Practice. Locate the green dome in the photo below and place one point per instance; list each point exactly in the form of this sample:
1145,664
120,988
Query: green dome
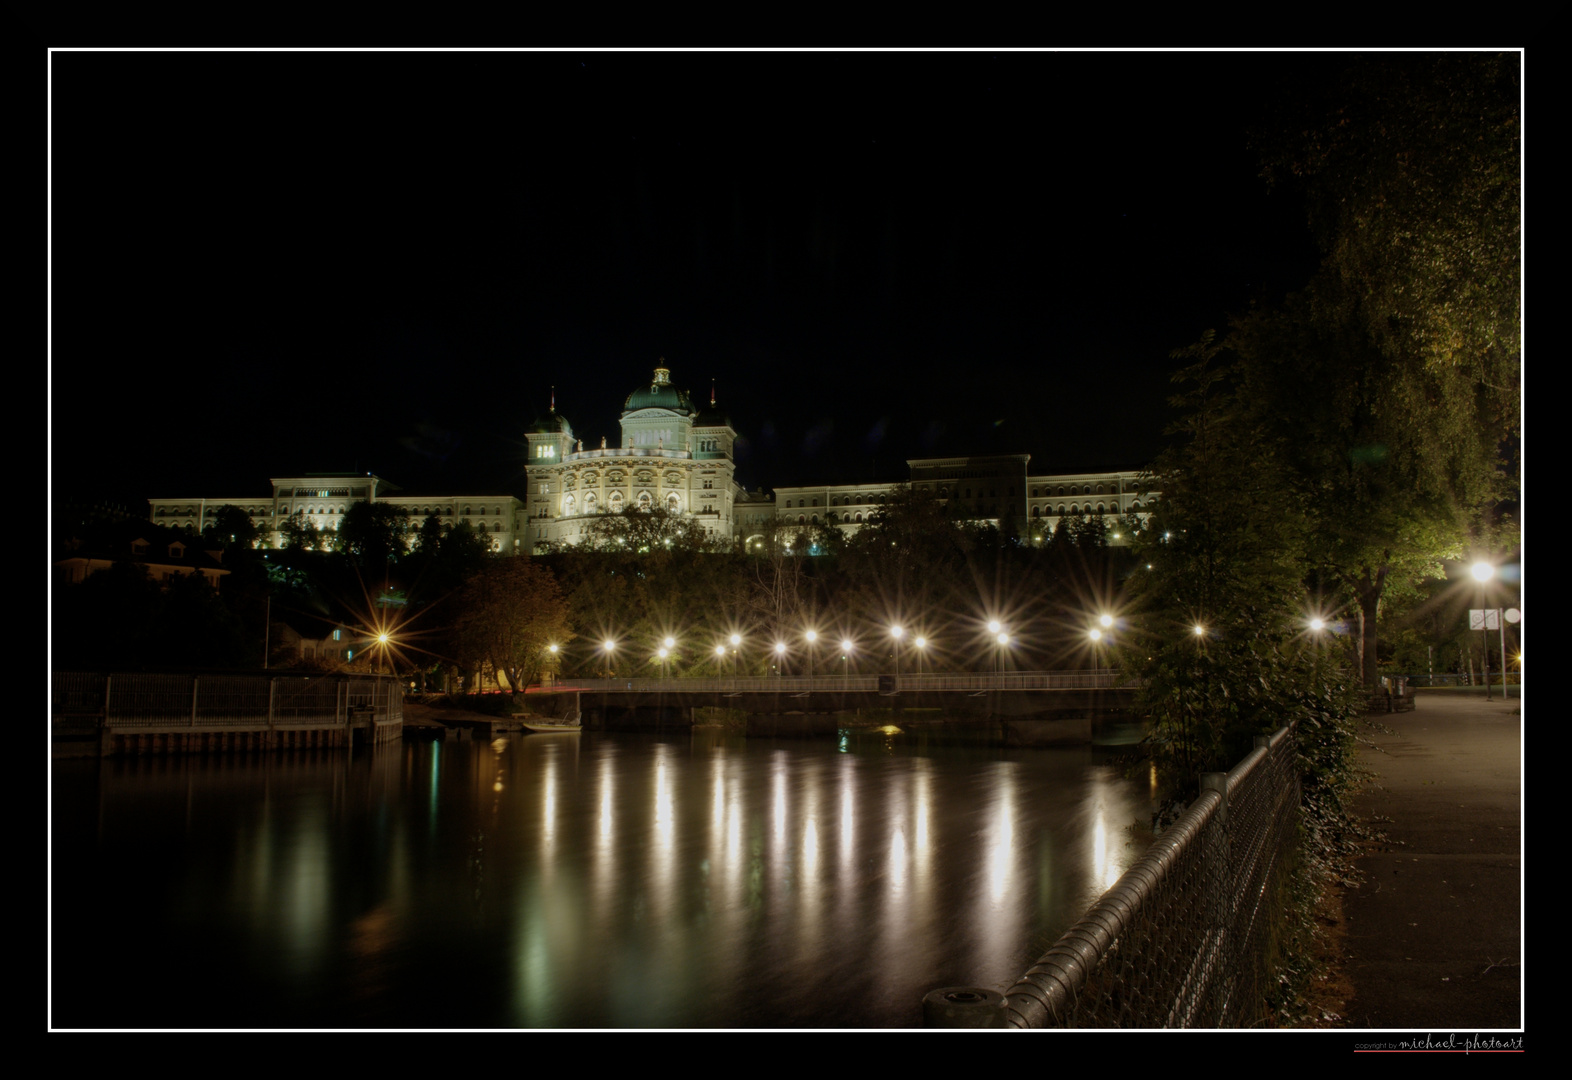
553,424
660,394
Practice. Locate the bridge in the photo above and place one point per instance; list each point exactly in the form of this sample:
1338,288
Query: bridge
1053,706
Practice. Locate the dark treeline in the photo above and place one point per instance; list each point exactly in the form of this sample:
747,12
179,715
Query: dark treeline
454,609
643,578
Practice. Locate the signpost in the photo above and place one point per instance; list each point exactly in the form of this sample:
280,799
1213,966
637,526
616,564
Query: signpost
1485,620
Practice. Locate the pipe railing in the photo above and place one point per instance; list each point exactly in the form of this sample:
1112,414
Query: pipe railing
1098,679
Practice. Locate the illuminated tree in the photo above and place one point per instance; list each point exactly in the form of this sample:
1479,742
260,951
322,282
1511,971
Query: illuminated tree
298,531
373,533
506,616
231,527
1410,166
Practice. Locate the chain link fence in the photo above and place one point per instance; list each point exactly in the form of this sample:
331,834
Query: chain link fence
1181,939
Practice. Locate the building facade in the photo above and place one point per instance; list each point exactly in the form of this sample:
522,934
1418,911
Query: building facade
679,457
322,499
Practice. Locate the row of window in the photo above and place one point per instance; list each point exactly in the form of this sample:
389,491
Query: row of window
1074,489
839,500
591,504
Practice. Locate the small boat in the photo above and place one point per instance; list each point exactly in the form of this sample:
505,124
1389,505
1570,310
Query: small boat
547,723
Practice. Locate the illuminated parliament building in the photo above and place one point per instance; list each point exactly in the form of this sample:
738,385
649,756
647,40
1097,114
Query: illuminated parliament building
676,456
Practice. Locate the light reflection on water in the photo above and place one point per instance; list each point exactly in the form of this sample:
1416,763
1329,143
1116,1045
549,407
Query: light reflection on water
571,881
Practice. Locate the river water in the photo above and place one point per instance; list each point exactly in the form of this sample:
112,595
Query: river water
571,881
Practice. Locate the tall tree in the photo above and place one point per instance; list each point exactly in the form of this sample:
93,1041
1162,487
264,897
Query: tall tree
1393,490
231,527
1410,165
1224,646
374,533
507,616
1393,378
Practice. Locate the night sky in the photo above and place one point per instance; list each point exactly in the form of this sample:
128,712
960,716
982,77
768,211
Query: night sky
271,263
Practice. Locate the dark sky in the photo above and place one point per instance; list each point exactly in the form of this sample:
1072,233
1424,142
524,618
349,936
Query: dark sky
269,263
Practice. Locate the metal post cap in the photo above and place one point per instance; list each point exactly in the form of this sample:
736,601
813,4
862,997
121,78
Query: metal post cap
963,1007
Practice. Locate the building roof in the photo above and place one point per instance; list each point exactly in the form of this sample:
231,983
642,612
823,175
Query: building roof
660,394
553,423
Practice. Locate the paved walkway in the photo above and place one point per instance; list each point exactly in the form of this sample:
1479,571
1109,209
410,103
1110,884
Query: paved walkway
1435,933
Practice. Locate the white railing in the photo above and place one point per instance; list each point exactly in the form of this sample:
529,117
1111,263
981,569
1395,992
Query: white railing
1096,679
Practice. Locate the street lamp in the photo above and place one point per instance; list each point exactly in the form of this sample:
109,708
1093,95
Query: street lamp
609,647
921,643
780,659
1483,572
1004,642
812,636
846,651
897,632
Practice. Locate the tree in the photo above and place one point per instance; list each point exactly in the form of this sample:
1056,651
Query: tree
1226,653
231,527
1410,165
1393,378
1393,490
645,531
298,531
507,616
373,533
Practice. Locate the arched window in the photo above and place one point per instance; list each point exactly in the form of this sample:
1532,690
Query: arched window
673,503
589,503
1037,511
567,506
645,502
858,519
616,502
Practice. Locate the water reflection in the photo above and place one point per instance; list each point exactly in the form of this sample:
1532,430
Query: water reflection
589,881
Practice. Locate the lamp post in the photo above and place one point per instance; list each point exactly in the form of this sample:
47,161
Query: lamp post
921,643
736,655
812,636
846,651
897,632
609,647
1483,572
780,659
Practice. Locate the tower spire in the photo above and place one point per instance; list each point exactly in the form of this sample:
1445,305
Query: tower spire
712,393
553,399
